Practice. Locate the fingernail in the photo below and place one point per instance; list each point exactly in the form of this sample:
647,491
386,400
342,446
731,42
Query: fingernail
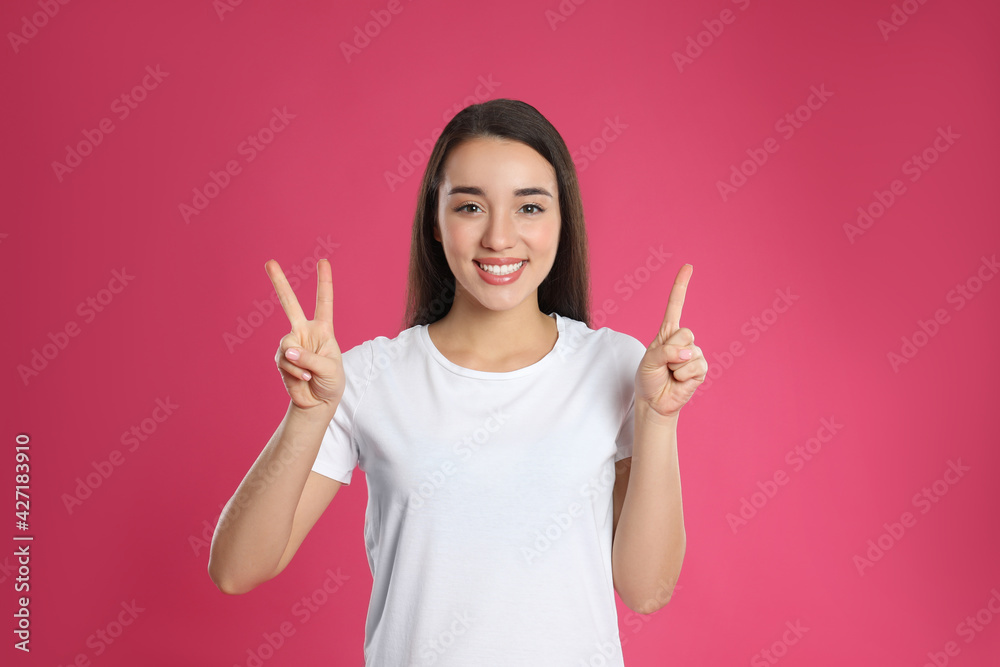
686,354
306,375
292,353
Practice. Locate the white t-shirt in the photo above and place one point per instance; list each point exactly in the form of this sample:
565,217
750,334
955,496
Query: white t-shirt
488,526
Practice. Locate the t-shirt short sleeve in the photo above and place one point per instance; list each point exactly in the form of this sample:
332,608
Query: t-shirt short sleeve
629,352
338,453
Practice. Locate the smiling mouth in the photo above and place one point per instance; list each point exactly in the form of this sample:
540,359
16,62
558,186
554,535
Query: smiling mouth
500,269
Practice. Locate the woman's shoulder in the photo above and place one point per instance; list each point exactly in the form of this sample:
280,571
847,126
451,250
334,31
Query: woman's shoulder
367,350
624,345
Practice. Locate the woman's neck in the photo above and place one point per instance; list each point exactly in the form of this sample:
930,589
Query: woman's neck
494,340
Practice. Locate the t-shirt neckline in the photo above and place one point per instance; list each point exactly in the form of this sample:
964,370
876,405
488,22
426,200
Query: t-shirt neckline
495,375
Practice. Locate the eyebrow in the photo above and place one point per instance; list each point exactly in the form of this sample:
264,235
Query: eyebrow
473,190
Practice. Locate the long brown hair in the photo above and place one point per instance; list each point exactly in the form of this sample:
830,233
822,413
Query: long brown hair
431,284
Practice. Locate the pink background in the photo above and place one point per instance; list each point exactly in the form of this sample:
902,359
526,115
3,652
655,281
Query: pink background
681,129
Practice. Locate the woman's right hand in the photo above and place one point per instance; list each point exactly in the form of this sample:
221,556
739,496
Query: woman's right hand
308,357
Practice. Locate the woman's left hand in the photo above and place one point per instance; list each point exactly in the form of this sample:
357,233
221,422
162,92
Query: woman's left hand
666,380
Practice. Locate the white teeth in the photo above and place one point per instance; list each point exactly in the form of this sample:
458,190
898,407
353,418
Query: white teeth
501,270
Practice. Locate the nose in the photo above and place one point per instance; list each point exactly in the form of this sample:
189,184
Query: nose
500,232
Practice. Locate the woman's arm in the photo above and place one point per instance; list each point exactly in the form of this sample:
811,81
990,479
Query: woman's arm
649,539
267,518
280,499
649,543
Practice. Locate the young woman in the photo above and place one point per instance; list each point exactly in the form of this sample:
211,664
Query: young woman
521,466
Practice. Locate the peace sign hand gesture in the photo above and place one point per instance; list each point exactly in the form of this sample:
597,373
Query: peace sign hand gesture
673,365
308,357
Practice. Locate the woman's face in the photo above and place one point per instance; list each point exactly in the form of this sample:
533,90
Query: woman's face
498,203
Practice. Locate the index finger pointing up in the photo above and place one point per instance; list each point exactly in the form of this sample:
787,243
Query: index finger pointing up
672,319
324,292
288,301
